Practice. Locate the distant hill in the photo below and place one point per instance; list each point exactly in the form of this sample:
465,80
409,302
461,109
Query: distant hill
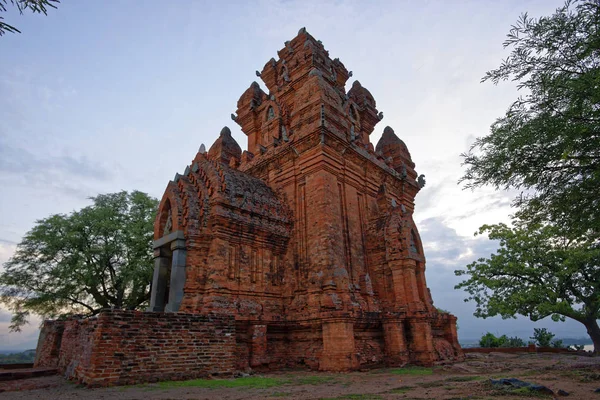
566,341
26,356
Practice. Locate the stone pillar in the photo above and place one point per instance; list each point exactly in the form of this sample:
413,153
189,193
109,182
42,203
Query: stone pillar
396,352
159,281
421,348
339,353
177,282
258,345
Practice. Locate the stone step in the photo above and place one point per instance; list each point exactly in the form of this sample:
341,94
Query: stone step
25,373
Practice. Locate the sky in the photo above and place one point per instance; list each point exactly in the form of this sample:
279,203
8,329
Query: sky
103,96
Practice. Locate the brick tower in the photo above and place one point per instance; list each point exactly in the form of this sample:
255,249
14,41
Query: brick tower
307,237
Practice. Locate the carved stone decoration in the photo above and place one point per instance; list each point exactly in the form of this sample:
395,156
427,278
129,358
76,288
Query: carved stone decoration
168,225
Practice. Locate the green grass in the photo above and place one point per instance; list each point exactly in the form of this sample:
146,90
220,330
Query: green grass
313,380
411,370
463,378
247,382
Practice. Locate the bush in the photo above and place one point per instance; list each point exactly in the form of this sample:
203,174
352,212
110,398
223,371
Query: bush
515,342
542,337
489,340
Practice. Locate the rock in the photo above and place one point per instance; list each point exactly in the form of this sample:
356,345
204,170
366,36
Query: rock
597,390
517,383
562,392
476,356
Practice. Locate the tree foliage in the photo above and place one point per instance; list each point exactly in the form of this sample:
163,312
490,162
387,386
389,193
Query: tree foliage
548,146
36,6
548,142
543,338
94,258
489,340
536,272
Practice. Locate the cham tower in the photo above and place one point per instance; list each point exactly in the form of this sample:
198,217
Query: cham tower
307,237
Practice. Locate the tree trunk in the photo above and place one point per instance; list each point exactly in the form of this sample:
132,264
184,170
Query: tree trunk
594,331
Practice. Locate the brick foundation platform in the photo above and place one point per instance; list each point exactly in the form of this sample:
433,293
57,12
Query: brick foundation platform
128,347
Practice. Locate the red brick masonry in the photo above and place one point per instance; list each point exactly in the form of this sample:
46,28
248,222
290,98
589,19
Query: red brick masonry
127,347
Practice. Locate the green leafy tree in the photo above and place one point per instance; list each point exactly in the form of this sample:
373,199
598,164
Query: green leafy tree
489,340
36,6
548,146
537,273
542,337
548,142
97,257
514,342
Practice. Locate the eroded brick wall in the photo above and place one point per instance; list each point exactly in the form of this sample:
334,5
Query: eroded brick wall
127,347
369,346
48,346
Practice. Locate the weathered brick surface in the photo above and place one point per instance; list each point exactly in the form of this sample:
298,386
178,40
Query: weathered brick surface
49,341
127,347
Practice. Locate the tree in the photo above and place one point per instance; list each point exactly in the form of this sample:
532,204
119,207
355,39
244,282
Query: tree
490,340
538,273
97,257
548,142
543,338
36,6
548,146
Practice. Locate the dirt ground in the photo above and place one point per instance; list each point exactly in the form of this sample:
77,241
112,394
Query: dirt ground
579,376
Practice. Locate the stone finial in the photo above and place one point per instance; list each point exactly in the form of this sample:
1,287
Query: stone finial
421,181
388,139
225,147
302,30
202,149
233,117
225,131
380,115
257,73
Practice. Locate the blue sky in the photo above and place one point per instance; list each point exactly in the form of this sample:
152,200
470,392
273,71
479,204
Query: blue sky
103,96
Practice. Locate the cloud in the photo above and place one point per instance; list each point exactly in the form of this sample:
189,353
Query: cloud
24,340
18,161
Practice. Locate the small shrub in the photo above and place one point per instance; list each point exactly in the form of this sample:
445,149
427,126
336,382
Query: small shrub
514,342
542,337
490,340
